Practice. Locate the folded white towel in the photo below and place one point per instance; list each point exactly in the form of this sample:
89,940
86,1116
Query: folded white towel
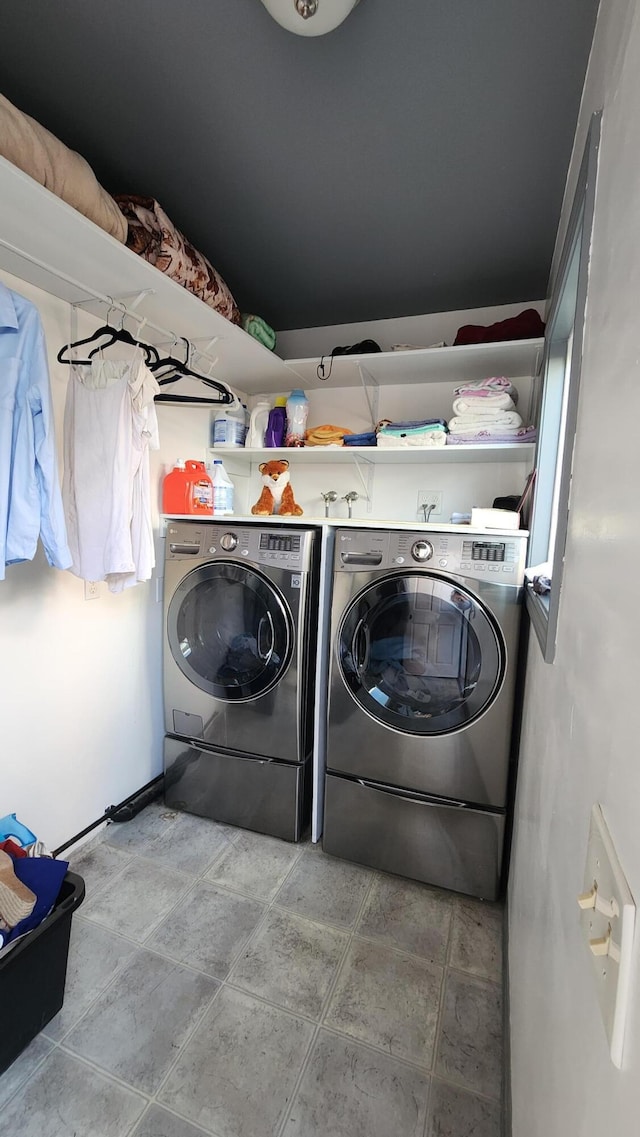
487,430
416,440
471,403
493,418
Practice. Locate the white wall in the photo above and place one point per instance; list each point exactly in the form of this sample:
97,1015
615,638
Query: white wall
80,681
580,739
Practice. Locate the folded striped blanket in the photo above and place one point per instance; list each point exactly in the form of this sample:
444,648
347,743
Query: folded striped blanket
493,436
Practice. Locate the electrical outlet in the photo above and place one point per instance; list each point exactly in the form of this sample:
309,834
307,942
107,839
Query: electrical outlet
430,497
91,590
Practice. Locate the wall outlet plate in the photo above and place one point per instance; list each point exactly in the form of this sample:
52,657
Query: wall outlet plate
608,930
91,590
430,497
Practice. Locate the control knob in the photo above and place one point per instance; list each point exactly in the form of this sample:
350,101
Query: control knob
422,550
228,542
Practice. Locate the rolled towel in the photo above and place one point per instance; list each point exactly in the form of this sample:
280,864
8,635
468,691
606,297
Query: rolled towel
260,330
495,384
459,424
470,404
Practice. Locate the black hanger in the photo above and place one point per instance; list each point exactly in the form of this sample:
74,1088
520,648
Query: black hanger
178,369
116,335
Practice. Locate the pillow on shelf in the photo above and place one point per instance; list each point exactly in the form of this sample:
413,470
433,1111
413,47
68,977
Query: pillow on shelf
153,236
48,161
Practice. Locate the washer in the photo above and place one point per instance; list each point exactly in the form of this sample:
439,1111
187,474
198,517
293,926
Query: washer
239,662
424,633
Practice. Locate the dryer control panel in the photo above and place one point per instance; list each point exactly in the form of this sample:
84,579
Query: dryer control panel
477,555
282,548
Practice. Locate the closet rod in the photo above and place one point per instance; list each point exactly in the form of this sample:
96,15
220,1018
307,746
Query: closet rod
92,294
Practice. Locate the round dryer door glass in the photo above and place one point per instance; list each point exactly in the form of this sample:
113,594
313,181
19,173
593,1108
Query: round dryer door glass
230,631
420,654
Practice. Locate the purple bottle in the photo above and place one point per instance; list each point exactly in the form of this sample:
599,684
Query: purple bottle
276,430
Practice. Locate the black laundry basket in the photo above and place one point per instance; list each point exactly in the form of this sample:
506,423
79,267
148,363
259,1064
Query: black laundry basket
33,973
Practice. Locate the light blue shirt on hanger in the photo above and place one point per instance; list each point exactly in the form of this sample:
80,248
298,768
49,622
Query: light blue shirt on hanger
30,498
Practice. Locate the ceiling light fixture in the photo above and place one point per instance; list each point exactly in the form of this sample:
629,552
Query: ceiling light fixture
309,17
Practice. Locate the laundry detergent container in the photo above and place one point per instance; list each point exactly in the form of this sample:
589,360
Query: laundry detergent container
33,974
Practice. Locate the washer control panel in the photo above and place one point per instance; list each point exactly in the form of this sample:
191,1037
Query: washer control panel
282,548
477,555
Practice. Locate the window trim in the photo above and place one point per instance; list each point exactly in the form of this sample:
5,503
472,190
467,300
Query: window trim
545,613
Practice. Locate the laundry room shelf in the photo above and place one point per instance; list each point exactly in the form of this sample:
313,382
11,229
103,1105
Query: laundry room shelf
467,363
49,244
343,455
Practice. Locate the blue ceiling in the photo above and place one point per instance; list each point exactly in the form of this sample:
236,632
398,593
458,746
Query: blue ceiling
411,161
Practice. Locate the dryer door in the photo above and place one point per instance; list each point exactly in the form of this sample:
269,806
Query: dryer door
230,631
420,654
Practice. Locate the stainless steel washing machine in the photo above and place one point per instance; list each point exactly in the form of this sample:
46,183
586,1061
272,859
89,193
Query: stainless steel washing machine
425,631
239,659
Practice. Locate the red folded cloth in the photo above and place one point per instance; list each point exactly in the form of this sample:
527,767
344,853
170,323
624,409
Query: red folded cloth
526,326
13,849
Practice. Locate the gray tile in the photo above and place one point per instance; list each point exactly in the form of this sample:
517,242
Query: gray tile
325,889
208,928
236,1075
190,845
255,864
95,955
135,835
476,938
97,864
409,916
66,1098
136,1028
138,900
159,1122
23,1067
470,1043
388,999
349,1090
456,1113
291,962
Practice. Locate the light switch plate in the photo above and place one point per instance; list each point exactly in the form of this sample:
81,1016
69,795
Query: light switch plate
612,976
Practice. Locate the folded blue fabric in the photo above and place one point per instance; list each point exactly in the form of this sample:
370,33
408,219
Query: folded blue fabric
44,876
368,439
416,423
11,827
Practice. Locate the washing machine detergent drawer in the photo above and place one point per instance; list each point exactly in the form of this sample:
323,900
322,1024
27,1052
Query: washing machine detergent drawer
453,847
259,794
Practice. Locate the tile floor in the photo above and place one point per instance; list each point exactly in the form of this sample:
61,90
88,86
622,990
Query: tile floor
225,983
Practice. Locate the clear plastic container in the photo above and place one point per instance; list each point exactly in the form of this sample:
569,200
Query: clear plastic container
222,488
297,415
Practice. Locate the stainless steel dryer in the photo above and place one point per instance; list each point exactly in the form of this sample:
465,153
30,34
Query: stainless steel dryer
239,654
424,638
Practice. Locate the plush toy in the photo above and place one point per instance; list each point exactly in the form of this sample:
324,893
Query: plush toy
277,495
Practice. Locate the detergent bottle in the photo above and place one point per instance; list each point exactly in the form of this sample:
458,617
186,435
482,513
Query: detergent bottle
277,424
229,426
200,489
258,424
174,490
297,412
222,487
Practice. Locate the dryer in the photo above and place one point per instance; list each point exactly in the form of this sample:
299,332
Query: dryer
239,660
425,632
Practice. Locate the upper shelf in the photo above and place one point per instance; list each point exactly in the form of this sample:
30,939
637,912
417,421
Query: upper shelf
381,456
49,244
515,358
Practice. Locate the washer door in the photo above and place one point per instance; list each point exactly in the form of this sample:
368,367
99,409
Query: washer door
230,631
420,654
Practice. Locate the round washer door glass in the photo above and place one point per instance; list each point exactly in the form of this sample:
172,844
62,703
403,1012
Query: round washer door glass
420,654
230,631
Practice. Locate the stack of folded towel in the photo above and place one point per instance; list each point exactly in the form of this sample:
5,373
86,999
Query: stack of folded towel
423,433
485,412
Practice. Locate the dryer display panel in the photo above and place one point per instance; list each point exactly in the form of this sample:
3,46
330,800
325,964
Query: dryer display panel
230,631
420,654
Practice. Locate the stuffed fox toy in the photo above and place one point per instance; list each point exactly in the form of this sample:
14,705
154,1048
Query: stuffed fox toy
277,495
